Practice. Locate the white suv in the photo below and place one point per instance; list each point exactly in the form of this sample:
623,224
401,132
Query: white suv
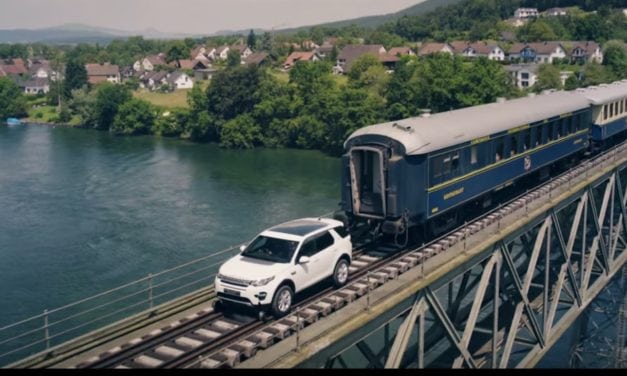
284,260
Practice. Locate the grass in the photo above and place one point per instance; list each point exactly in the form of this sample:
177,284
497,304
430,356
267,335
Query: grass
43,114
177,98
284,77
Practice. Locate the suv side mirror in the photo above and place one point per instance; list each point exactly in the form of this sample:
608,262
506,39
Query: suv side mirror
303,259
242,248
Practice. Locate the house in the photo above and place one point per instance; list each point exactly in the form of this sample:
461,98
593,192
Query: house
244,51
523,75
526,13
432,48
327,46
40,69
183,64
352,52
389,61
179,80
586,52
203,53
97,73
152,80
477,49
542,52
256,59
309,45
222,52
13,67
149,63
36,86
555,12
297,56
401,51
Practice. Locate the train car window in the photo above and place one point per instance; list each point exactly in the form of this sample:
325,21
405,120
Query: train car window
548,134
622,108
446,165
526,137
564,127
498,149
611,109
473,155
604,112
572,126
455,163
513,145
437,166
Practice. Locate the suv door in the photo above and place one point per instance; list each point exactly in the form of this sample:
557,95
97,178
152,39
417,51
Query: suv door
319,249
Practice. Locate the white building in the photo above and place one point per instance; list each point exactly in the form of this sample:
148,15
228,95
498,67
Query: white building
526,13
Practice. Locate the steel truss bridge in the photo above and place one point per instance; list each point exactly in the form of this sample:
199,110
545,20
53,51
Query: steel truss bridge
500,297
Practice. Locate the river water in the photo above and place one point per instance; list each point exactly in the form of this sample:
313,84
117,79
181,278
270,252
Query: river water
83,211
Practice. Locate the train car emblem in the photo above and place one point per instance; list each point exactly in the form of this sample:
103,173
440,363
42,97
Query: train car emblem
527,163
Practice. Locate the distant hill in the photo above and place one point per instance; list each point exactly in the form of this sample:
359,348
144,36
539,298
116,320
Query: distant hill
374,21
79,33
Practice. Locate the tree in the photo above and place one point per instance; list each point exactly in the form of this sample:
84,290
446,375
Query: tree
229,94
266,42
548,78
109,98
177,51
83,104
252,39
75,75
133,117
615,59
233,59
241,132
12,100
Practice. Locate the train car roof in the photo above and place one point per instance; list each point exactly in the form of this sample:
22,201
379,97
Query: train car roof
422,135
605,93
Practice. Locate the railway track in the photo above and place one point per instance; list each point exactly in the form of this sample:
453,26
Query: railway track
210,339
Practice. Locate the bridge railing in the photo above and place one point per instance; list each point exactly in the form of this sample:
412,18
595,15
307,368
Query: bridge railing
55,326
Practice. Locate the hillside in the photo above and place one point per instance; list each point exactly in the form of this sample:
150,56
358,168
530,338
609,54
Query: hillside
78,33
375,21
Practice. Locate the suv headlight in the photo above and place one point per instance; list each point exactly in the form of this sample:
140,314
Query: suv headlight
261,282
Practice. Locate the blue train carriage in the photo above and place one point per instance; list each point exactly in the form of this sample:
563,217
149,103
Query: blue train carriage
415,171
609,112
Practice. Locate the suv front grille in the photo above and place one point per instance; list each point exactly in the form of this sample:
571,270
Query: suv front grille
234,281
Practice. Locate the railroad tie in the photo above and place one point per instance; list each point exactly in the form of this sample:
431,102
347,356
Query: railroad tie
368,259
187,342
391,271
223,325
148,361
210,363
232,356
323,308
347,295
248,348
280,330
168,352
207,334
263,339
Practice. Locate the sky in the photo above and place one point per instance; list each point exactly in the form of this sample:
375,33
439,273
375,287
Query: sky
189,16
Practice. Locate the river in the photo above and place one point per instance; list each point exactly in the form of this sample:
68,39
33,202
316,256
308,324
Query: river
83,211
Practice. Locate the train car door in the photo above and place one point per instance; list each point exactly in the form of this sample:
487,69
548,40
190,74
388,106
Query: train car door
368,165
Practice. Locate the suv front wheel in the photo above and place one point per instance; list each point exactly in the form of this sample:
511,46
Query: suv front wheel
340,273
282,301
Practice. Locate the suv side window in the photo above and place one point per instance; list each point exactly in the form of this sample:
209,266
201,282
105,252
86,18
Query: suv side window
309,248
315,245
324,241
341,231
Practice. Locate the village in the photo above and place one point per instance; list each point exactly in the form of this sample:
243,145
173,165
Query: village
157,73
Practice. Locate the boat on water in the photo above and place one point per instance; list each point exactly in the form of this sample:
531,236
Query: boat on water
13,121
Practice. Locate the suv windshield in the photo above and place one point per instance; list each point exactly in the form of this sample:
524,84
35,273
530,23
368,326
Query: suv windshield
271,249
